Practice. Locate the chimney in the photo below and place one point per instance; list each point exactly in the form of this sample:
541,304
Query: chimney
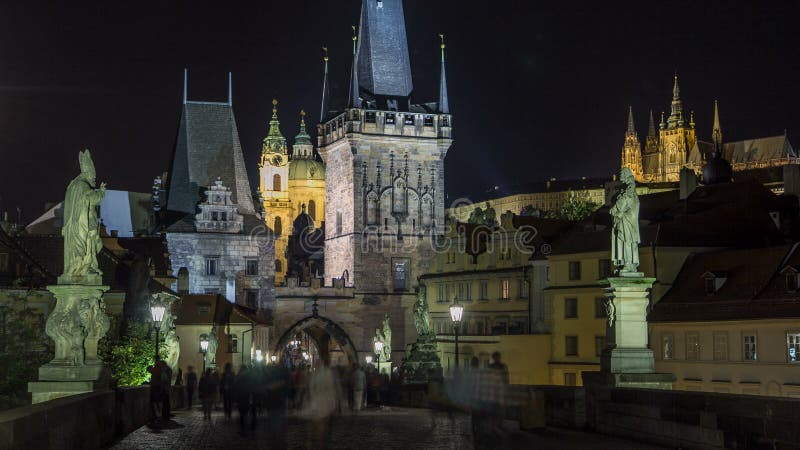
688,182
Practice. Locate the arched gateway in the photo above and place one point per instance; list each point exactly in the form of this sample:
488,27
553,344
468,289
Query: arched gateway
325,334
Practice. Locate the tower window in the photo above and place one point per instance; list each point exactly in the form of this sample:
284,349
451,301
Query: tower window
212,265
278,266
252,267
278,226
276,182
339,224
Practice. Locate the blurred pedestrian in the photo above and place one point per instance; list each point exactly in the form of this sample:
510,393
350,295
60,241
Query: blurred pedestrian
226,389
277,393
191,385
320,404
165,389
359,384
180,389
243,391
155,391
207,390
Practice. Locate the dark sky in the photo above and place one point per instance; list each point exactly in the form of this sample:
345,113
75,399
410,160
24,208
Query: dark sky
537,89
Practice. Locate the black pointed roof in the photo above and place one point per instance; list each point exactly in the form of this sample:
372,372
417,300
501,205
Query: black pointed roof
384,67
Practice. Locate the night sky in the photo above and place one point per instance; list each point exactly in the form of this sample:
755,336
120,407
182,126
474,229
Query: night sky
537,89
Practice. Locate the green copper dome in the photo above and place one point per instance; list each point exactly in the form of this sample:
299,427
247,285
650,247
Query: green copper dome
306,169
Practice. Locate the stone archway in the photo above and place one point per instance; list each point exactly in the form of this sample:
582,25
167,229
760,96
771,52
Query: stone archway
321,329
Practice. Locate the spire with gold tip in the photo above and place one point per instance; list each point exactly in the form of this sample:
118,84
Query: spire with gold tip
274,142
444,103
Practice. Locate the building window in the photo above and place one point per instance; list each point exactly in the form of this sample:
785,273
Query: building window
4,261
570,308
692,346
278,266
710,285
750,347
390,119
570,379
427,121
574,270
484,294
183,280
233,343
599,345
276,182
464,291
203,309
793,346
523,289
203,337
444,293
571,345
500,326
720,346
400,274
504,289
604,268
547,273
214,215
212,265
251,267
339,223
791,281
312,209
667,346
252,299
278,226
600,308
518,326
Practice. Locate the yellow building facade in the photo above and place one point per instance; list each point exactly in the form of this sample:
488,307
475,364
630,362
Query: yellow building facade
287,182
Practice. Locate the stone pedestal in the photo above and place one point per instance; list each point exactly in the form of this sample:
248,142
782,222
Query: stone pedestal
627,361
421,365
385,368
76,325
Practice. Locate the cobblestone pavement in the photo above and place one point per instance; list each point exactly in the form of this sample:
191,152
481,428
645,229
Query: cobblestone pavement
391,428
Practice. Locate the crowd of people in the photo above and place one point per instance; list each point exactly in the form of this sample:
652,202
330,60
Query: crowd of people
274,391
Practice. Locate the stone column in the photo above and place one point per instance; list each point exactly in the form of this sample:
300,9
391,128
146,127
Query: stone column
76,325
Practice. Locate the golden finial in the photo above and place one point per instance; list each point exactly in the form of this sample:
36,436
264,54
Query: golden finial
441,36
355,37
325,56
274,106
302,117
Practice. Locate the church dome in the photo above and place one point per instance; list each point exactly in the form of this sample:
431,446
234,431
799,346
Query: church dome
302,223
717,170
306,169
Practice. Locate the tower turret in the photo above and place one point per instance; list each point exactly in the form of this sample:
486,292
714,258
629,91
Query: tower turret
716,132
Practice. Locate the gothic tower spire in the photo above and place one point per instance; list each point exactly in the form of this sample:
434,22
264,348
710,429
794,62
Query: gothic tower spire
384,67
651,129
444,103
676,113
632,149
326,89
716,133
631,128
354,100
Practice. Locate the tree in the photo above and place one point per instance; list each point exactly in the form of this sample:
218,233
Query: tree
576,207
486,216
24,347
130,354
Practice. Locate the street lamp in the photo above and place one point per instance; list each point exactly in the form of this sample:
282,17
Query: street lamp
378,350
157,310
368,358
456,311
273,358
204,349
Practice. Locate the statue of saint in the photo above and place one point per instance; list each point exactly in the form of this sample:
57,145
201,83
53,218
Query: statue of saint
211,353
422,317
387,339
81,226
625,231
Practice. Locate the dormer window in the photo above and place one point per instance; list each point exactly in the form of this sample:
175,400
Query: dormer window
408,119
428,121
214,215
713,281
792,280
390,119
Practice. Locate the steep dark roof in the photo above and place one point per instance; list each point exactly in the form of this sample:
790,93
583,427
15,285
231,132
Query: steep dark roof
384,67
754,287
207,147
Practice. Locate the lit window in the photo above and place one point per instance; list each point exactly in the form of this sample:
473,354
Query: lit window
212,265
504,289
692,346
570,308
574,270
750,347
571,345
667,346
793,347
252,267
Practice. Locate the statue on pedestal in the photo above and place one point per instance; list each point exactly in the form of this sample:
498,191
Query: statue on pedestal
625,231
421,364
171,341
81,229
211,353
422,317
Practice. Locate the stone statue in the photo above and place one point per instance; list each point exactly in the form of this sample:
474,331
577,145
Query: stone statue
625,231
422,317
81,226
387,339
211,353
171,341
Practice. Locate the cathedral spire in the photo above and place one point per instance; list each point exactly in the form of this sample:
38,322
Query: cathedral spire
274,142
631,128
651,129
384,67
676,113
326,89
716,133
444,103
185,82
230,89
354,100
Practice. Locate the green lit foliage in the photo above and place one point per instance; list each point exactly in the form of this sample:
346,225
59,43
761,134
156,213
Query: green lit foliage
23,348
576,207
128,354
482,216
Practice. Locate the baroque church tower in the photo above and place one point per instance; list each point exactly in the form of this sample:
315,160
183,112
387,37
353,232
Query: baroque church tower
274,189
676,139
632,149
384,161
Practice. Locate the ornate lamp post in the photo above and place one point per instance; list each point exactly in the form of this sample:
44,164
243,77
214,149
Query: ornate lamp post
157,311
456,312
204,349
378,350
